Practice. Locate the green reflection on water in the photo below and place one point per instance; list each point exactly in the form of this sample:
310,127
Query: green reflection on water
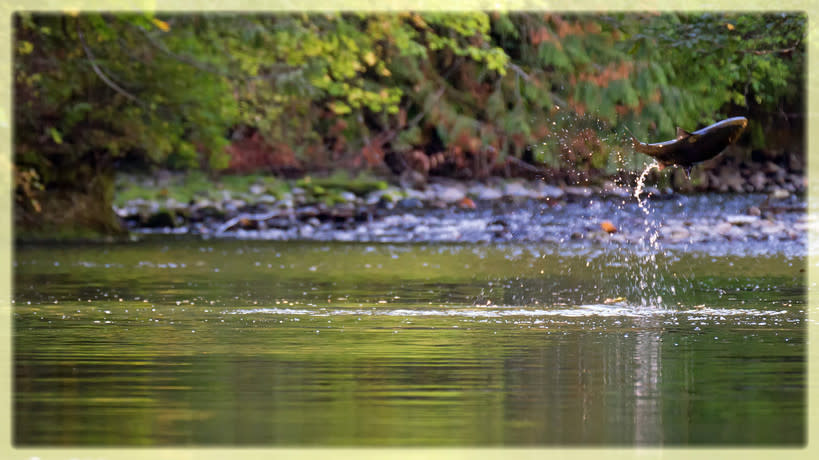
256,343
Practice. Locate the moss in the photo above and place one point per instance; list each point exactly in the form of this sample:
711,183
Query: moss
361,184
194,185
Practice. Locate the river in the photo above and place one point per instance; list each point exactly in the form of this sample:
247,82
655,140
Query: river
184,341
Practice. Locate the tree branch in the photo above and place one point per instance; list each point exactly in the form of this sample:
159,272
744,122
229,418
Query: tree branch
203,66
519,71
181,58
780,51
99,71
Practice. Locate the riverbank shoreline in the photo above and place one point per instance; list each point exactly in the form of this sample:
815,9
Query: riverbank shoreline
496,211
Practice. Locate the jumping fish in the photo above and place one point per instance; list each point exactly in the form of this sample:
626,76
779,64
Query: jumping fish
690,148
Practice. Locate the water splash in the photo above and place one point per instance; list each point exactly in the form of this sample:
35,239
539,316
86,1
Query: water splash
649,281
641,182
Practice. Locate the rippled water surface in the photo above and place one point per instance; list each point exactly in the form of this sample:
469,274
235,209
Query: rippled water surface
190,342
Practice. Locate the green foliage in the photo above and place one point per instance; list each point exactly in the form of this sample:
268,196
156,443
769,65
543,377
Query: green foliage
712,64
344,88
103,86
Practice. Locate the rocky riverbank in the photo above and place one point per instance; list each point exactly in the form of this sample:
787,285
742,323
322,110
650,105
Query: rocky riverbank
494,211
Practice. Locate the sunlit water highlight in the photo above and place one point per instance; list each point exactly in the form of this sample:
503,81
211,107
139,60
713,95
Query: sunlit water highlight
601,310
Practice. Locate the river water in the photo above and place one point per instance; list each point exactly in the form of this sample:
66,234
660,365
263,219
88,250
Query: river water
229,342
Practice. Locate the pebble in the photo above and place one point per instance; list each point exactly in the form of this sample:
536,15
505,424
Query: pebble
450,194
741,219
516,190
540,213
484,193
779,194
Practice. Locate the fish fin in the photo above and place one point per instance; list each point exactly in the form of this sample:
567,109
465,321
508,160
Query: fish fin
634,141
682,133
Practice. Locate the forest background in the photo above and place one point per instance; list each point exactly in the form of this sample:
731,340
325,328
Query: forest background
463,95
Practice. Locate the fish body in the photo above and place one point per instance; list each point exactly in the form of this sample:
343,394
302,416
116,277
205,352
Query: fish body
690,148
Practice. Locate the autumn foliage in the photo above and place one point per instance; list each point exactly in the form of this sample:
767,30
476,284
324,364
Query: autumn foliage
457,94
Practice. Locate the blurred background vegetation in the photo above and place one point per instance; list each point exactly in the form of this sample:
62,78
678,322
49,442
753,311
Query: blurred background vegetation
465,95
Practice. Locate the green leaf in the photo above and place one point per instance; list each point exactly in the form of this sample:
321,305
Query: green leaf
55,135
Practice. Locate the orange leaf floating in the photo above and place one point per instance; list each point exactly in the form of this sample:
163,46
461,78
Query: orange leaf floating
467,202
608,226
162,25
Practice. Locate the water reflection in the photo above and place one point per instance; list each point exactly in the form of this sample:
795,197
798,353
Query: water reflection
420,352
647,379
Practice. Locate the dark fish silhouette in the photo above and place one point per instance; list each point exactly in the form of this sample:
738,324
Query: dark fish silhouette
689,148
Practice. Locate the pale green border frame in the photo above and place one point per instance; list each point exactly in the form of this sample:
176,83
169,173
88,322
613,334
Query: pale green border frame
8,451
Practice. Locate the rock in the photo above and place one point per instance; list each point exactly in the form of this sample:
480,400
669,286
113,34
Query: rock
348,197
267,199
233,205
730,231
546,191
675,234
771,228
412,179
723,228
754,211
257,189
798,181
344,210
584,192
450,194
412,193
771,168
286,202
795,163
758,180
164,218
779,194
388,195
172,204
739,219
730,179
408,203
206,209
384,202
516,190
484,193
